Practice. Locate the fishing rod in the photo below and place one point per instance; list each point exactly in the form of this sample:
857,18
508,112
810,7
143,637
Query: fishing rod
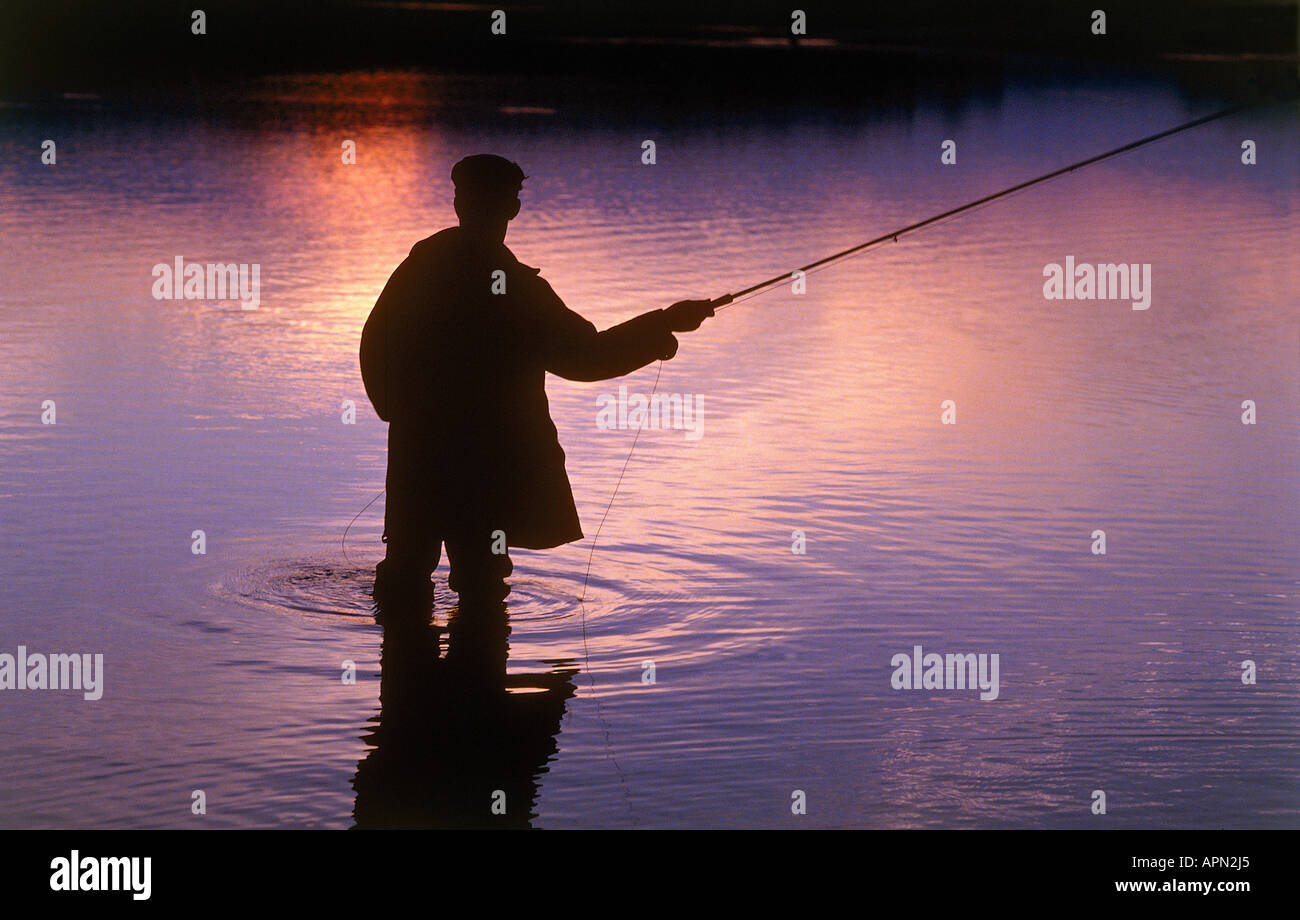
755,289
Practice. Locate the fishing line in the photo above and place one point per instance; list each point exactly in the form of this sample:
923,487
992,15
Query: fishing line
344,541
582,606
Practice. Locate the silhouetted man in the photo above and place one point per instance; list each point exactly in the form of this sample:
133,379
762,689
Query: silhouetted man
454,357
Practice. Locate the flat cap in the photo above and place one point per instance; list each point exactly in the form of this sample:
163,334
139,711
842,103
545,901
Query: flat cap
487,174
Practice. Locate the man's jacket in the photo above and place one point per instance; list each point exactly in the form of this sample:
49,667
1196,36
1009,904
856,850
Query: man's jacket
459,373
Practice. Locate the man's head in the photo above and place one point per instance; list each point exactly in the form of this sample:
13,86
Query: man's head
487,194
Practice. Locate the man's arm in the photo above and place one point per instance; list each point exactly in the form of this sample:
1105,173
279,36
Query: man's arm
573,348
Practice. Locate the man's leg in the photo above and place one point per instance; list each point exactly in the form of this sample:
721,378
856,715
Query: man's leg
414,545
411,527
404,571
476,572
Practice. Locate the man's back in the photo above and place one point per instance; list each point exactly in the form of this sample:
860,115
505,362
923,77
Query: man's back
459,373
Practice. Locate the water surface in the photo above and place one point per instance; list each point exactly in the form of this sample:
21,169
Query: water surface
821,414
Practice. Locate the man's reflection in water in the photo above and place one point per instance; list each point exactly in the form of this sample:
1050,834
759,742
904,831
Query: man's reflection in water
454,732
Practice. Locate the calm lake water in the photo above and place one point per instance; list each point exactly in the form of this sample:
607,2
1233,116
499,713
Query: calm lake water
821,413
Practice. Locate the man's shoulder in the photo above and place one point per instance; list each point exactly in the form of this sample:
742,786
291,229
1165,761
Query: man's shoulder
445,257
535,287
448,244
537,290
525,269
441,243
